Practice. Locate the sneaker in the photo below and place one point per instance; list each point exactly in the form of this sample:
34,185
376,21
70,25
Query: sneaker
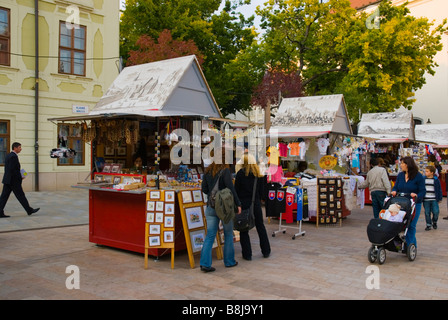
434,225
445,218
428,228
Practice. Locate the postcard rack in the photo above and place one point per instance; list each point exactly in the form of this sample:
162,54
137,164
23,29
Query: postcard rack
160,222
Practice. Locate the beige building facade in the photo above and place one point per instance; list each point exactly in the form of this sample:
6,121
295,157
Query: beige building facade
78,59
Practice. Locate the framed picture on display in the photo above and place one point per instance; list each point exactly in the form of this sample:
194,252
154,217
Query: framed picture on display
169,196
197,195
149,216
169,208
169,221
159,206
197,240
154,241
194,217
168,236
150,206
159,217
186,196
154,195
154,229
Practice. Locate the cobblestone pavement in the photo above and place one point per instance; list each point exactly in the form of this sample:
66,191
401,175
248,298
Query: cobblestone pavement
326,263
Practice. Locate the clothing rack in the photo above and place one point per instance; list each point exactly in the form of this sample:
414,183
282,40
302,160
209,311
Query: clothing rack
282,228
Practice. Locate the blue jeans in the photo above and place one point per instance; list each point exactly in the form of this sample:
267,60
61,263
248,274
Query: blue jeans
431,207
377,202
410,235
212,228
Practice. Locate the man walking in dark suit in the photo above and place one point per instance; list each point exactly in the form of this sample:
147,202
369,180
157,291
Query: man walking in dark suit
12,182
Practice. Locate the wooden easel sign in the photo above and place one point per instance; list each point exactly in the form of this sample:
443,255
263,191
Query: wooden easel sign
192,210
160,226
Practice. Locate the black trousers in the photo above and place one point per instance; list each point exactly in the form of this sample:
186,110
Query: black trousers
262,234
18,192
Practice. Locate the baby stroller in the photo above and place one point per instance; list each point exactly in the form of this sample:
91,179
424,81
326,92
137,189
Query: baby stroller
386,235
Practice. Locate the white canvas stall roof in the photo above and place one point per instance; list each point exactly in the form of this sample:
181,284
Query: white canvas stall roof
311,117
387,127
172,87
436,134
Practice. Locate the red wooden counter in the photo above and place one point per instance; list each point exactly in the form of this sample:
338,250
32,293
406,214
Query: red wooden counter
117,219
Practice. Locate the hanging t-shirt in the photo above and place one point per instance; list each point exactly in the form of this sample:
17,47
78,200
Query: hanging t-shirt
274,173
323,144
294,149
276,200
303,148
283,149
274,155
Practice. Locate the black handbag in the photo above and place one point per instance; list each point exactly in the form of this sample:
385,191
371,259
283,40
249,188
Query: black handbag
246,219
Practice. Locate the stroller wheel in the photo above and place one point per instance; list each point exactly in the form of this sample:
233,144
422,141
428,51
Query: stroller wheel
371,255
411,252
381,255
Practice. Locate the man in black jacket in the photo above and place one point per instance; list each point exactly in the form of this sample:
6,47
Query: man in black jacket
12,182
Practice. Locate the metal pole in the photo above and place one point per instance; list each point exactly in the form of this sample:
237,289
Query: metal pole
36,96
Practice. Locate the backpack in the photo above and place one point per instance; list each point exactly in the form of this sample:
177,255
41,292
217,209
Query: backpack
212,196
225,205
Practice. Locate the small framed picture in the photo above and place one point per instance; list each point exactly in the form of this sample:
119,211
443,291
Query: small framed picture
169,196
98,177
154,229
154,195
168,236
107,167
197,240
169,222
154,241
194,217
186,196
117,180
150,205
121,151
159,217
108,178
197,195
116,168
109,151
126,179
137,179
169,208
149,216
159,205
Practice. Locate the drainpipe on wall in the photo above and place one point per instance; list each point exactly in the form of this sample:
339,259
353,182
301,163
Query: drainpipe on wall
36,96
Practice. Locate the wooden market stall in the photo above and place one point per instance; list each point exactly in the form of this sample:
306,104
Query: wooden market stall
392,134
137,115
316,126
435,138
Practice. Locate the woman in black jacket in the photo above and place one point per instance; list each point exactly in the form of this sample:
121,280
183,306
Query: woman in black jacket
244,186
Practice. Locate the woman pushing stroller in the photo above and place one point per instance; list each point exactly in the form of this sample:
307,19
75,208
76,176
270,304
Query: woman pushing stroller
412,182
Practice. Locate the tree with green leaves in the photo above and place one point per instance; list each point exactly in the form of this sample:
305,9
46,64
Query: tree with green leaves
335,49
219,37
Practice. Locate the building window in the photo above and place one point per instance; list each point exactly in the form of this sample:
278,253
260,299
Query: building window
72,50
5,37
5,140
69,136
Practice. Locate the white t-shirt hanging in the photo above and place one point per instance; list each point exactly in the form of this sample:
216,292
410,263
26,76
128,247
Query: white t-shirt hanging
303,148
323,144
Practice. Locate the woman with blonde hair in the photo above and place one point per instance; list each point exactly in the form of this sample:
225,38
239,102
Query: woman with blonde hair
244,186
